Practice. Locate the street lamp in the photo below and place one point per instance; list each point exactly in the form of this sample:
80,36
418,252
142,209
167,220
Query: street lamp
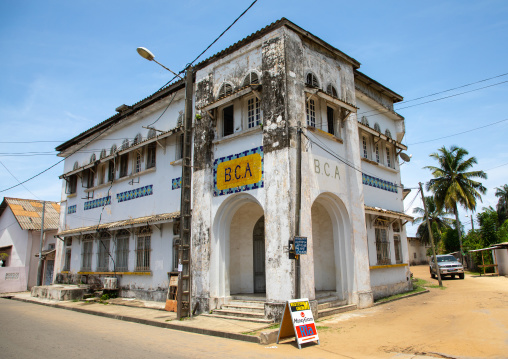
184,248
147,54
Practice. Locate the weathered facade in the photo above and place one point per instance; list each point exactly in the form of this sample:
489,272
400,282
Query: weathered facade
250,102
20,240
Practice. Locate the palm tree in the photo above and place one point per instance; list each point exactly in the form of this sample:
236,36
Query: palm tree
453,184
437,217
502,203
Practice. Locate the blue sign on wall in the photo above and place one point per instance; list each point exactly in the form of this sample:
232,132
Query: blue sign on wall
300,245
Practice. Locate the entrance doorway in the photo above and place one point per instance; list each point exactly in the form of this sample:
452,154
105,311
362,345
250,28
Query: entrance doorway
258,239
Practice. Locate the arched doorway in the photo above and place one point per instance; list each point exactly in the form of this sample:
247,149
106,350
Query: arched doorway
237,253
331,241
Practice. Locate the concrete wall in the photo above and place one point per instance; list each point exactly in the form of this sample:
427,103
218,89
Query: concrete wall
502,260
417,252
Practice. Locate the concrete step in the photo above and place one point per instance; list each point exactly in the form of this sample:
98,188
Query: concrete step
244,319
238,313
331,303
249,298
335,310
244,308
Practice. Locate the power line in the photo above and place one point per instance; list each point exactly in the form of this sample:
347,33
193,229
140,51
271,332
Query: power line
459,133
214,41
18,180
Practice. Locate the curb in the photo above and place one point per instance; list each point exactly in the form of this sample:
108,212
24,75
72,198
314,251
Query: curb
214,333
404,297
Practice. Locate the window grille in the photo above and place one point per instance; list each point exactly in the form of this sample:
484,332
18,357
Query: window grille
150,155
86,255
93,158
332,91
312,80
125,144
364,144
251,79
377,154
151,133
388,133
382,246
103,153
76,165
103,252
225,90
398,249
253,112
143,250
112,151
122,251
67,263
377,127
365,121
311,113
388,158
137,139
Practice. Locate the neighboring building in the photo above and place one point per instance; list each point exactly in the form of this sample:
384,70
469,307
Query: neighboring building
417,251
20,238
120,205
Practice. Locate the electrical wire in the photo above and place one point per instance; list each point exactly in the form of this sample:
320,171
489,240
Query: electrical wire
19,181
458,133
213,42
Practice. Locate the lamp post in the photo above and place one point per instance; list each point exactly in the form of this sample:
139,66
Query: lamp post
184,248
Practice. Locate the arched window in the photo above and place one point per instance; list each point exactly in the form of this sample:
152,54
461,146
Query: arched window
76,165
251,79
112,150
377,127
225,90
103,153
388,133
365,121
312,80
332,91
125,144
137,139
92,158
151,133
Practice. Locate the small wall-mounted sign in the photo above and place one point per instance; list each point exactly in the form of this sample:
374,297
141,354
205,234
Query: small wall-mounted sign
300,245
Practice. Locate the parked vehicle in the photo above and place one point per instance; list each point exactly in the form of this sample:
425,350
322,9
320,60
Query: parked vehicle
448,265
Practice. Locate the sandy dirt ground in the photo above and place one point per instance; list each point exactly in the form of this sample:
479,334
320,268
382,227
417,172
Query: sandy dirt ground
468,319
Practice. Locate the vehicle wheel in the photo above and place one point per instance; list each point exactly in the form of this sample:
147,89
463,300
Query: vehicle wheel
453,276
432,275
461,275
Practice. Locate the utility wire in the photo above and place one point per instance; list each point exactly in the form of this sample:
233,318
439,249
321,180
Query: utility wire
214,41
19,181
459,133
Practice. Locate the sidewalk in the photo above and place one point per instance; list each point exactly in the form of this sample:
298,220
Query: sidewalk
153,313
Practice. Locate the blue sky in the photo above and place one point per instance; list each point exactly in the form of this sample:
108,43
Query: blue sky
66,65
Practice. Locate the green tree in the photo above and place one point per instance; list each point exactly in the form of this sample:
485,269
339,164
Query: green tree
437,217
488,226
454,184
450,240
502,203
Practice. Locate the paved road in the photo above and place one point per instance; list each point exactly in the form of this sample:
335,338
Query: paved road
34,331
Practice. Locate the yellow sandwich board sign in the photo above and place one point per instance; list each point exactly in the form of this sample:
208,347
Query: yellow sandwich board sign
298,321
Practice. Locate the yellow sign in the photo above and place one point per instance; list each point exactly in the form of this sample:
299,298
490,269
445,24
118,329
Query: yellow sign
239,172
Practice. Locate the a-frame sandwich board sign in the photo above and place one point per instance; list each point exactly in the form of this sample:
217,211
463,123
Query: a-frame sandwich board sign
298,321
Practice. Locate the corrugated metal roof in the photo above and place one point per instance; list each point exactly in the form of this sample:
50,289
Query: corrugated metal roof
388,213
28,213
121,224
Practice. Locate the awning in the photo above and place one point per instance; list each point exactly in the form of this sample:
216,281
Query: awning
387,213
337,101
45,253
237,94
133,222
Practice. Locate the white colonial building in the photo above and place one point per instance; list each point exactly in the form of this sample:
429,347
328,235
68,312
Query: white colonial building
121,193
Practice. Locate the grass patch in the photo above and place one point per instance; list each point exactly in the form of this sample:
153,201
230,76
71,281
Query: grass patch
322,327
419,285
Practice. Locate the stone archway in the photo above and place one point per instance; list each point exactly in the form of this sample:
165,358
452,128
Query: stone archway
332,253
